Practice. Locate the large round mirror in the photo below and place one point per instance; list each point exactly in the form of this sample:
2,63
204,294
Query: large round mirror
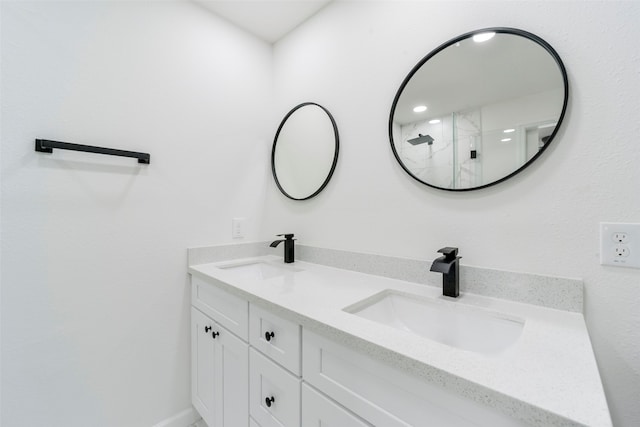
478,109
305,151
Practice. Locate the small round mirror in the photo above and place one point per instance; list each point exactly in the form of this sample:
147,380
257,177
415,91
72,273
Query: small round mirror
305,151
478,109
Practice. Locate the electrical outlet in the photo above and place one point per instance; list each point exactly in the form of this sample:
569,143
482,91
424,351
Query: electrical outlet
621,251
620,237
620,244
237,228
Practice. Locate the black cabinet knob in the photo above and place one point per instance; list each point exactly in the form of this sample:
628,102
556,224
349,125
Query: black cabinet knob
268,335
269,401
215,334
207,328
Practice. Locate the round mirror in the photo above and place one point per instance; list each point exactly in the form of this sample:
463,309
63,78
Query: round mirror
305,151
478,109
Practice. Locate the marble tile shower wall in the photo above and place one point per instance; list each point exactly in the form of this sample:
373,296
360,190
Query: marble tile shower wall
430,163
468,136
454,136
548,291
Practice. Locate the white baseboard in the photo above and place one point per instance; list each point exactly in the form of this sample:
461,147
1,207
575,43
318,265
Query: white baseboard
181,419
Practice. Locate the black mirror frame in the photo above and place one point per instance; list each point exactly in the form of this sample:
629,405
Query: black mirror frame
497,30
335,156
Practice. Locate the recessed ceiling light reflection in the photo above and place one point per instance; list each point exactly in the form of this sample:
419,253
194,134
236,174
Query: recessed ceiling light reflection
420,109
549,125
434,121
483,37
508,130
506,140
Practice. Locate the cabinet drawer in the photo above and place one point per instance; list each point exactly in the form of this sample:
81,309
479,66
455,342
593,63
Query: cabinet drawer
275,337
385,396
274,394
230,311
252,423
318,410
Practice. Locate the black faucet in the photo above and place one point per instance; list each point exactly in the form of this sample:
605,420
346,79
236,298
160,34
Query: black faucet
449,266
288,246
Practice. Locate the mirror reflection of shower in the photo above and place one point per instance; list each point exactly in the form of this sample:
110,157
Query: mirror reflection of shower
421,139
458,151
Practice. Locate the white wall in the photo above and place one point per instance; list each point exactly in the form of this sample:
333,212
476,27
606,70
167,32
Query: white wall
1,93
95,297
352,57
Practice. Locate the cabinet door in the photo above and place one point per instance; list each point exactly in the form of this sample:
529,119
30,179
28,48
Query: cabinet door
219,373
232,367
318,410
203,392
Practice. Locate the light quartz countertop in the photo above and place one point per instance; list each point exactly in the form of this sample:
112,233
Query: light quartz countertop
548,377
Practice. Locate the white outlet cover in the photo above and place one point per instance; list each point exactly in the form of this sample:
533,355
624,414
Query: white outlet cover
620,244
237,228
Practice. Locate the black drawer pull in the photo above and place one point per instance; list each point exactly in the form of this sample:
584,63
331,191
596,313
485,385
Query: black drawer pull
215,334
268,335
207,328
269,401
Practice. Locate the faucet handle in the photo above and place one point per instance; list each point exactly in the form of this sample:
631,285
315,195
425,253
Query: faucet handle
449,253
286,236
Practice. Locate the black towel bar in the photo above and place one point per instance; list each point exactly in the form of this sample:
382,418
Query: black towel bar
47,146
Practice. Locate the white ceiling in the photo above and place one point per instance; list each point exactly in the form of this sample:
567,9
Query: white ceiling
469,75
268,19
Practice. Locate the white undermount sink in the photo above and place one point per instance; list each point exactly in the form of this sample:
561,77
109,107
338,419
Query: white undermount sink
448,322
259,269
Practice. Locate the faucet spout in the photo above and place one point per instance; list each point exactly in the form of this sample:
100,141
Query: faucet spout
449,266
441,265
289,249
276,243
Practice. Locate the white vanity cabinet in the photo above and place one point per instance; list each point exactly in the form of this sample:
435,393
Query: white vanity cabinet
329,346
252,367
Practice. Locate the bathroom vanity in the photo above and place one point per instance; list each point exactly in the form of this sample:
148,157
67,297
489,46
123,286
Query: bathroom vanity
304,344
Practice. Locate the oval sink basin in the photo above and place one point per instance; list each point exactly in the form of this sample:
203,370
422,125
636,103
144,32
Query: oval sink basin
447,322
259,270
